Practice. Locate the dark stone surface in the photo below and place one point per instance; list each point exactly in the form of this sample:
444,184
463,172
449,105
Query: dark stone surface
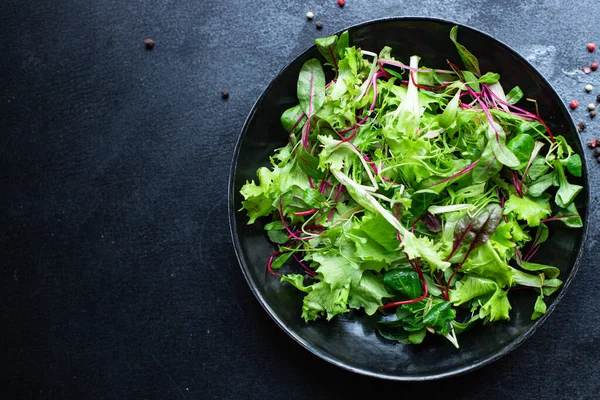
118,276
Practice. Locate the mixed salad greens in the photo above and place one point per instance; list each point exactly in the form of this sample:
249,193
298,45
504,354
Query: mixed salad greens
421,191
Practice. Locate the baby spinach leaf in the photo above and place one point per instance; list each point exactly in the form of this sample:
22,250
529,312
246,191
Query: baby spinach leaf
405,281
278,237
489,78
574,165
539,187
439,315
514,95
417,336
521,146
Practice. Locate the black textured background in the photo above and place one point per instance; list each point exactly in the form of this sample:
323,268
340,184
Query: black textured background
118,276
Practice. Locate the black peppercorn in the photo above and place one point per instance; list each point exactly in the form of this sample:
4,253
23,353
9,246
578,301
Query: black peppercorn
225,94
149,44
319,25
598,160
596,152
592,114
581,127
598,98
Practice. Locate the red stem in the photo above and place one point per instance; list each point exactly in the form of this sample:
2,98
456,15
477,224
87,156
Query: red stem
271,259
456,270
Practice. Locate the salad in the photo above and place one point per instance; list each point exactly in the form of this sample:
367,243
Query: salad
421,195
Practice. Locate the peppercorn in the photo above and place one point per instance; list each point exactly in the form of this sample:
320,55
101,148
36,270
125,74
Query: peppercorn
310,15
591,106
589,88
592,144
341,3
591,47
594,66
574,103
596,152
587,69
598,98
581,127
319,25
592,114
597,142
224,94
598,160
149,44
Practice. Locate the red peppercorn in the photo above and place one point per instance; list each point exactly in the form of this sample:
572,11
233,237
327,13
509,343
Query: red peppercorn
341,3
574,104
591,47
592,144
594,66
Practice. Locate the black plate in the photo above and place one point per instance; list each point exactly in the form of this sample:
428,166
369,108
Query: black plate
350,341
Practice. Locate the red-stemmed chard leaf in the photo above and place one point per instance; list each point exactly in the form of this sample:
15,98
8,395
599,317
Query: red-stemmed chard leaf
311,92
